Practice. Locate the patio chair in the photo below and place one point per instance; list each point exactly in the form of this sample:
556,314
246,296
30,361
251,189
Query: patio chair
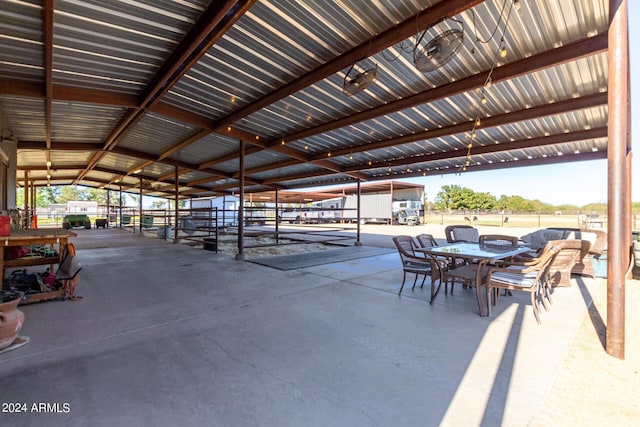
498,241
530,276
418,265
427,241
461,233
571,252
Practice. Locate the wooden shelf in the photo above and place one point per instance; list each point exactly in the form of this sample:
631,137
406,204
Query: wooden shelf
43,296
26,262
31,237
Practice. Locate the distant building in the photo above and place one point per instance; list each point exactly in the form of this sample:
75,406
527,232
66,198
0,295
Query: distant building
82,207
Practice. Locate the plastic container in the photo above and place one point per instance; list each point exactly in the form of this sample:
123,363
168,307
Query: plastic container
164,232
210,244
5,225
600,265
147,221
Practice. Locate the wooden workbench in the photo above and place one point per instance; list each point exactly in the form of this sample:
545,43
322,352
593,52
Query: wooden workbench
30,237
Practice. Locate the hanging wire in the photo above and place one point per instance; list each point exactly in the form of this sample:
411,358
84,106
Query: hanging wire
475,27
477,120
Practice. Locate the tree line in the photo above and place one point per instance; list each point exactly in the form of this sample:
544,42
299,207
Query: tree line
457,198
53,195
449,198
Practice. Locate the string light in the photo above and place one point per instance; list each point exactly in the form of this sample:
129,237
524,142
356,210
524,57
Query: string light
501,52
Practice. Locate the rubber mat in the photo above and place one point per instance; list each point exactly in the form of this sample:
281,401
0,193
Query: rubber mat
310,259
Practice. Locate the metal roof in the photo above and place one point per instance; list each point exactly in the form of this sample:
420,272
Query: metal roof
116,93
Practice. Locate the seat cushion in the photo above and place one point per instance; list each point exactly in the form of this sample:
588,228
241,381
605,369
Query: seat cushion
535,240
526,280
466,234
417,265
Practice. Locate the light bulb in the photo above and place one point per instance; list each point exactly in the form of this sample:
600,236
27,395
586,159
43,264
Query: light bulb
503,52
484,99
516,4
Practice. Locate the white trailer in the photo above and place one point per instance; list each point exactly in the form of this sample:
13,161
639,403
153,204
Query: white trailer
82,207
223,212
215,211
381,209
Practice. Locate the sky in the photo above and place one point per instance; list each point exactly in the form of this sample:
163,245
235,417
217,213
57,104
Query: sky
576,183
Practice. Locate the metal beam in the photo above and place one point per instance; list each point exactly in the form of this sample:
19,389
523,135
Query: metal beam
618,232
213,23
425,19
473,168
560,107
47,18
498,147
553,57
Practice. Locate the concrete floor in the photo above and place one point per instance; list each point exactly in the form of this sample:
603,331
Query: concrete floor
171,335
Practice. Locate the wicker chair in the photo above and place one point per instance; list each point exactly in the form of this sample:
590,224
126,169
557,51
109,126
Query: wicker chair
418,265
498,241
584,266
461,233
444,263
571,252
426,240
529,276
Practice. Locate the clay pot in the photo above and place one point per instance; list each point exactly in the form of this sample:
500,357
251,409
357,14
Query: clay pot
11,320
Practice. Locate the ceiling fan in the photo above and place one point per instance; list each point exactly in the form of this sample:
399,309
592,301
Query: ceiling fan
356,82
438,51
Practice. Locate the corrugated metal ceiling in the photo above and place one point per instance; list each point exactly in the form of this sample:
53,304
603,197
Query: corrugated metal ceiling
119,102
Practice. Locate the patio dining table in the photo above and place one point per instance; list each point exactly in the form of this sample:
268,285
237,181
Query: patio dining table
476,255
